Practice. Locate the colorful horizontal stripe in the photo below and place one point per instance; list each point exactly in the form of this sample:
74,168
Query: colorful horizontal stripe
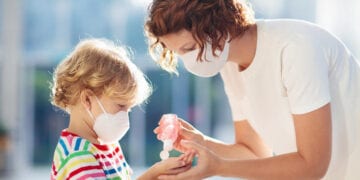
77,158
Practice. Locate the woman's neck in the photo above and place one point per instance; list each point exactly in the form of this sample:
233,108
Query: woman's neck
243,48
80,124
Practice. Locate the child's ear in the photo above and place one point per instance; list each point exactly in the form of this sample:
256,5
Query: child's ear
85,98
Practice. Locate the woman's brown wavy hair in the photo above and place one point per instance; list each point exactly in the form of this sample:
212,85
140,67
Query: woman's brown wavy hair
207,20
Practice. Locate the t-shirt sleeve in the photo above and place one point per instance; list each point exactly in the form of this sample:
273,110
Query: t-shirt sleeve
236,107
80,165
234,96
305,75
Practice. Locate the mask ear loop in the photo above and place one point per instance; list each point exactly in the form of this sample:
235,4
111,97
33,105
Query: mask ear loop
90,114
208,45
102,107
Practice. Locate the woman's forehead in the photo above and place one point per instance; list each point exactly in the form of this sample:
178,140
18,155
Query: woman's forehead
174,41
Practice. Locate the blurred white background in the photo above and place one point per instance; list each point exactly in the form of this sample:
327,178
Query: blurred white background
36,34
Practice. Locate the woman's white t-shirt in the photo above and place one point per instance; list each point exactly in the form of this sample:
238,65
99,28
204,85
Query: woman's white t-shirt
298,67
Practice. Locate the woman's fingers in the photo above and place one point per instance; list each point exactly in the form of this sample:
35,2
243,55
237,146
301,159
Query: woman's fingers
179,147
186,124
188,157
156,130
197,148
185,133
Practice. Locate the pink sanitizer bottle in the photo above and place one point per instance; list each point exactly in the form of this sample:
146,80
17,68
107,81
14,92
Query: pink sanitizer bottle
168,132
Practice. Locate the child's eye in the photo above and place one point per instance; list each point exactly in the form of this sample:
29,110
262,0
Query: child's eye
121,106
126,108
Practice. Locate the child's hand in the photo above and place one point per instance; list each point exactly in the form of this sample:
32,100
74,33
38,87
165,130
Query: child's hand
171,166
176,165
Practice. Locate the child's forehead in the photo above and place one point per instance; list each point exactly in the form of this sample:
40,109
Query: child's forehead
118,100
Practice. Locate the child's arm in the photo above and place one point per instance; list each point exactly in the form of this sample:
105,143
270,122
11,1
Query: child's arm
171,166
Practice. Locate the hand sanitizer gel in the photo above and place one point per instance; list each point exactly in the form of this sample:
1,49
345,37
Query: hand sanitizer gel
168,133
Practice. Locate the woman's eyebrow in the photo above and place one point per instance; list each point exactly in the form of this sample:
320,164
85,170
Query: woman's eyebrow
163,44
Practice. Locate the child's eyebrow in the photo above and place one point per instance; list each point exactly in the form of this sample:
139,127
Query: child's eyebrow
125,103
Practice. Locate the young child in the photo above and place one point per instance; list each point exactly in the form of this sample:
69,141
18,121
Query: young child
97,85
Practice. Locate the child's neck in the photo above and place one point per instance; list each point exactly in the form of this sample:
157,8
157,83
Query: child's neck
80,125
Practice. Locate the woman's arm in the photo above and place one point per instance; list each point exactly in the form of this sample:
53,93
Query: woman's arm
313,138
248,144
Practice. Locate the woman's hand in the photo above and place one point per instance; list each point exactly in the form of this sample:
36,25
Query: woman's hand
208,163
186,132
171,166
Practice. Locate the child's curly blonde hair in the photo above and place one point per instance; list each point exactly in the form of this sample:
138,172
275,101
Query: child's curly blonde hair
102,67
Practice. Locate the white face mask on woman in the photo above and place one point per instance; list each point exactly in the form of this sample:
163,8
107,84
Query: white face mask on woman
211,65
110,128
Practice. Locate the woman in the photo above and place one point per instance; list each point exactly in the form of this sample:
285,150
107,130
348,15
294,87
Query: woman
293,89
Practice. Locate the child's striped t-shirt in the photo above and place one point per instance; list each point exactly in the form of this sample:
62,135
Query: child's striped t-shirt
77,158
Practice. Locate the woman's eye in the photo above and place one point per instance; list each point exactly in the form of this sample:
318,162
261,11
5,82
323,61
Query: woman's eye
190,48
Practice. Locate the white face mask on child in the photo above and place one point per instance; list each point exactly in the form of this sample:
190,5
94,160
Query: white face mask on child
110,128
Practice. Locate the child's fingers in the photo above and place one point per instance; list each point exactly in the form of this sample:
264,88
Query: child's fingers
191,173
173,162
167,177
